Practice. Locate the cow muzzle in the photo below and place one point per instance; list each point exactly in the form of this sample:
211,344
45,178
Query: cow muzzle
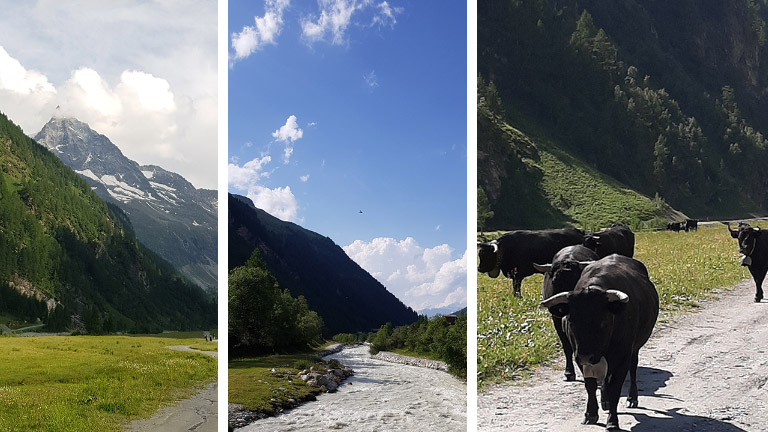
745,260
598,370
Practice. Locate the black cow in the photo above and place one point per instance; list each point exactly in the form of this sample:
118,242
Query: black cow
608,317
616,239
675,226
561,276
514,253
753,247
691,225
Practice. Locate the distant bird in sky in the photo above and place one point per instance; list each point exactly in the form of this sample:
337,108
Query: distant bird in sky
361,211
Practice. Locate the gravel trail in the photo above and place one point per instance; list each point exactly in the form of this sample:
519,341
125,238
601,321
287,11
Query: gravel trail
703,371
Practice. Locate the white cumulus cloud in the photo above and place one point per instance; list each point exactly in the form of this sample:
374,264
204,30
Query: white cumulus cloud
289,132
247,176
264,31
15,78
279,202
420,277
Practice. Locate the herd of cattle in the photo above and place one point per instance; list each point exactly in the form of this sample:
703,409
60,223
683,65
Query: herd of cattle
686,225
602,302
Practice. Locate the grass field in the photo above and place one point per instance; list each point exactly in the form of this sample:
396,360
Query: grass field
266,383
206,346
94,383
515,334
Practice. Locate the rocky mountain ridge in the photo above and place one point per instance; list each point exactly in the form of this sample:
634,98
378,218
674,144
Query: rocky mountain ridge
170,216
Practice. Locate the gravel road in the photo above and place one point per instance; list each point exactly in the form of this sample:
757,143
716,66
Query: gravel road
196,414
704,371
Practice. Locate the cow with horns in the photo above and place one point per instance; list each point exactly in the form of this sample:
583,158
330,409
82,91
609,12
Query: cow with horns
514,253
608,317
753,248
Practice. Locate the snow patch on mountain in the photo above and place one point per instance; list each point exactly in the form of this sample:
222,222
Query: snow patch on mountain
88,173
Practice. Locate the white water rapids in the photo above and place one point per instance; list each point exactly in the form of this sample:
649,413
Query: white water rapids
382,396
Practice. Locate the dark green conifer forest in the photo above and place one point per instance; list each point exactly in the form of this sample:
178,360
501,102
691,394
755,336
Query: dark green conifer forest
666,98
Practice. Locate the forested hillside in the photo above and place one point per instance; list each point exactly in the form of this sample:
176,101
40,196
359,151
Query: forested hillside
62,245
667,98
307,264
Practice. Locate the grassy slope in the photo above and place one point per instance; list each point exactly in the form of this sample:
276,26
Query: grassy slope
515,335
593,200
93,383
569,191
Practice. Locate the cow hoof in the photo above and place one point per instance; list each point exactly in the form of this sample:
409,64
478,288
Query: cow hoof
612,427
589,419
631,403
570,376
604,404
757,299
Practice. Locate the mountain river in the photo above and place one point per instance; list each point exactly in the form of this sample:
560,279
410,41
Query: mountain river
382,396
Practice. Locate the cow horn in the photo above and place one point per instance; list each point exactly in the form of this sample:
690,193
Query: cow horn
543,268
616,295
583,264
495,245
561,298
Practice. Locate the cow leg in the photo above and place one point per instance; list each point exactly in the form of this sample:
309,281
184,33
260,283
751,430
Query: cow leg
516,285
590,417
758,275
632,397
613,388
570,373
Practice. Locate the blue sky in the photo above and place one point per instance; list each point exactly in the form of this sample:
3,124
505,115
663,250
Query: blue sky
342,106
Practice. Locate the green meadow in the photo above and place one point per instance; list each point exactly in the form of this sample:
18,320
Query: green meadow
94,383
515,335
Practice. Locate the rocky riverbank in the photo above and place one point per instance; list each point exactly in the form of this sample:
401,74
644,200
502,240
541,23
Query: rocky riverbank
325,378
411,361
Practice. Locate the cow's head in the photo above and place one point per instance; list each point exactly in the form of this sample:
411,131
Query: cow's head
564,275
588,320
488,253
591,241
747,237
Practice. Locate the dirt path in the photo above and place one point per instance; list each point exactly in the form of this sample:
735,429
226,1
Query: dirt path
196,414
705,371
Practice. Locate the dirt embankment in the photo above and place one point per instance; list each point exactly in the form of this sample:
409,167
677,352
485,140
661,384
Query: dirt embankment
705,371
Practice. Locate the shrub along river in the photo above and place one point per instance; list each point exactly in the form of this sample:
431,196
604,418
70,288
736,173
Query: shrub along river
381,396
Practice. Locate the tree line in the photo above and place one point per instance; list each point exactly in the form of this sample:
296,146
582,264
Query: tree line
264,318
432,337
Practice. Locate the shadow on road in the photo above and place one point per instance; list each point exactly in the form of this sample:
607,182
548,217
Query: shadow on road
649,381
673,420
